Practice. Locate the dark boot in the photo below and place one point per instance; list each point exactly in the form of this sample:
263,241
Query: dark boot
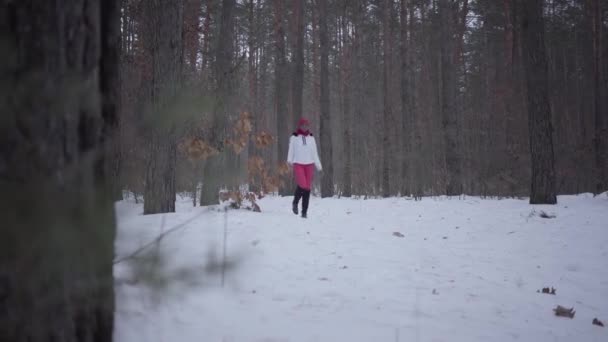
305,201
296,199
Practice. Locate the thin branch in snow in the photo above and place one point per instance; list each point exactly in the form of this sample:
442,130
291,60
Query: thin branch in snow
158,238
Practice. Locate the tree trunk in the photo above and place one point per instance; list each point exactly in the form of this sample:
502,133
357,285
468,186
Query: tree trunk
297,84
539,111
600,142
448,99
280,91
163,39
415,134
112,66
406,110
346,109
327,182
386,117
219,169
254,186
192,15
57,240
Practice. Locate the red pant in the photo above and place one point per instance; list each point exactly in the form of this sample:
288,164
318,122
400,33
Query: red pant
304,175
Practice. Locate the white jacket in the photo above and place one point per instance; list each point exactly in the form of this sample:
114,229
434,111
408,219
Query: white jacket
303,150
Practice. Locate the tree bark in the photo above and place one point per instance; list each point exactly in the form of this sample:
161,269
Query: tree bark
57,240
539,111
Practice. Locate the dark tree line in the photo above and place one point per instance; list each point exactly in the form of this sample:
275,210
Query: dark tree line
407,97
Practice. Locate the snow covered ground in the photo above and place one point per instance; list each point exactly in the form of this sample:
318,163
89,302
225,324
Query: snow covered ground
463,270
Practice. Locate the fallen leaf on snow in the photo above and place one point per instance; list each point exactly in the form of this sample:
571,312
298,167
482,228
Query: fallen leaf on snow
564,312
597,322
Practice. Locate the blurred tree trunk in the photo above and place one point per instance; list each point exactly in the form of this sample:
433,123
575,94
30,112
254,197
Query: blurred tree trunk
539,110
219,169
327,182
163,20
57,239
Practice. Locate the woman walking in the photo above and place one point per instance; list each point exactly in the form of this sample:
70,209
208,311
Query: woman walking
304,158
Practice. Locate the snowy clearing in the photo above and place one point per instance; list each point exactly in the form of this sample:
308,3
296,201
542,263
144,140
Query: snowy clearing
371,270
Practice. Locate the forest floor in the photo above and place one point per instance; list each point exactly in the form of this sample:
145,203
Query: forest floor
438,269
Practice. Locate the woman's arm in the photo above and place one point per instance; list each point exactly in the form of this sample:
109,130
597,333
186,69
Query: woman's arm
290,155
317,160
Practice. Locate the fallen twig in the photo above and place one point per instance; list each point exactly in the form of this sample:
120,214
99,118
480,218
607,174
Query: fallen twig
157,239
564,312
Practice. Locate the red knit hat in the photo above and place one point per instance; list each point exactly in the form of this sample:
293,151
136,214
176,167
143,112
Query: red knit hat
303,121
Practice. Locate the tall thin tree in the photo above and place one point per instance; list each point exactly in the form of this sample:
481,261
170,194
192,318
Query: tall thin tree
220,169
163,40
280,79
327,182
406,116
346,66
539,111
447,9
297,80
600,143
387,110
